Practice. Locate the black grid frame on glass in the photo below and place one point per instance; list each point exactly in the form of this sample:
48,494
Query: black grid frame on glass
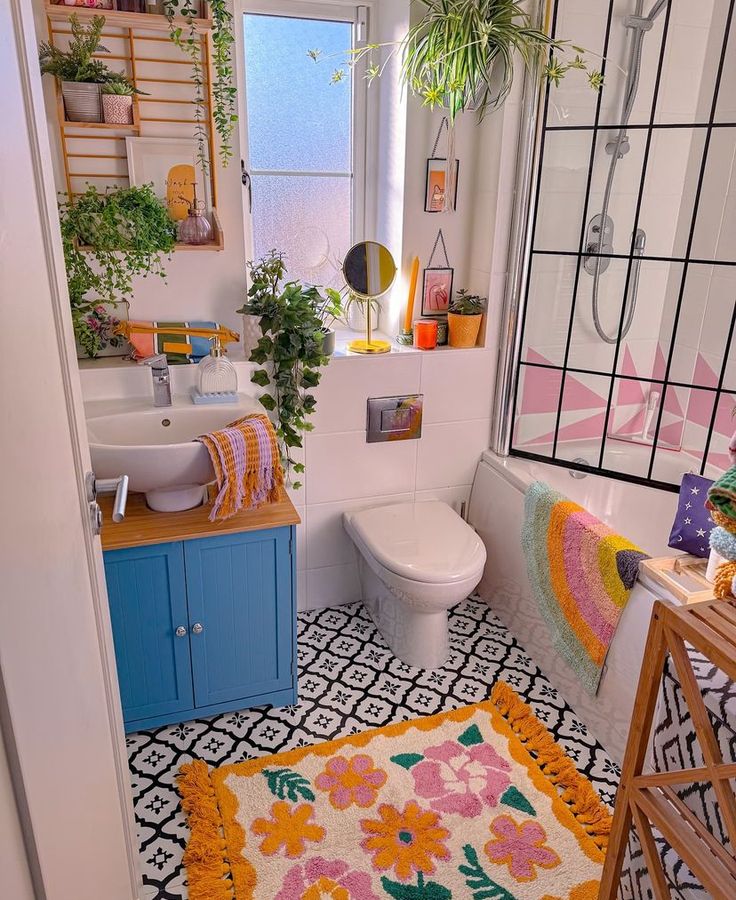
568,370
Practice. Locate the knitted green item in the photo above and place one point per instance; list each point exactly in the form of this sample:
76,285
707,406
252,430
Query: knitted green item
723,494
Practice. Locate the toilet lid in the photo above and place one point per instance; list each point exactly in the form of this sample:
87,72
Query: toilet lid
426,541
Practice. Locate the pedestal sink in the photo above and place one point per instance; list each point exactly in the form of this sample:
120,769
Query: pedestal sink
155,447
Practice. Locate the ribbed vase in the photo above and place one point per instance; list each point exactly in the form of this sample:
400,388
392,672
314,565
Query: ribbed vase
81,101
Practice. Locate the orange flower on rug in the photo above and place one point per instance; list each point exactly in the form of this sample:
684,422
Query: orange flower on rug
454,805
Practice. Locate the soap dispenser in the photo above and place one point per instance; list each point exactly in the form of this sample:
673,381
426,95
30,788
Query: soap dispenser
217,380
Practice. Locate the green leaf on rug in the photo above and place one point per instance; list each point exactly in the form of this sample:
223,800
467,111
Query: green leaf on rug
471,736
516,800
421,891
481,884
285,784
407,760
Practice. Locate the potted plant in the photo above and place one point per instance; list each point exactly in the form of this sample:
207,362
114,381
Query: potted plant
330,310
117,102
463,319
292,348
108,238
354,314
80,75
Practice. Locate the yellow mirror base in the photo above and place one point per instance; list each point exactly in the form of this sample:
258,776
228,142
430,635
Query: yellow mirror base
369,346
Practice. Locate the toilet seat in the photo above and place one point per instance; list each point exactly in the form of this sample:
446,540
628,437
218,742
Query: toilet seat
424,542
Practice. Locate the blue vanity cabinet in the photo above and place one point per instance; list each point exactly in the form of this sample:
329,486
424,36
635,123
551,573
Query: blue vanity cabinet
203,625
146,588
239,591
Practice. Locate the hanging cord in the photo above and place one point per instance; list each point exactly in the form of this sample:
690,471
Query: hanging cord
439,240
445,123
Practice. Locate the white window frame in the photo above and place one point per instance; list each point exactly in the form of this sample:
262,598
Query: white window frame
359,15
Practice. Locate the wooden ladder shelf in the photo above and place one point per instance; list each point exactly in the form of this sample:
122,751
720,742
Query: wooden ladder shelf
650,800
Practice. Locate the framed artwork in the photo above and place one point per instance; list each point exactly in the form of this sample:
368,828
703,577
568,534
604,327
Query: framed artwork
434,195
437,291
170,164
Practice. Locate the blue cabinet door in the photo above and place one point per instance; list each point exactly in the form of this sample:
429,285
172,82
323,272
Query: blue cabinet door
148,602
241,615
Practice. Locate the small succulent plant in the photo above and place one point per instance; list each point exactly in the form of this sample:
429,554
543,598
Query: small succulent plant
465,304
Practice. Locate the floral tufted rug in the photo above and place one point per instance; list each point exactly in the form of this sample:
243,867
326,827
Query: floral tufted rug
478,803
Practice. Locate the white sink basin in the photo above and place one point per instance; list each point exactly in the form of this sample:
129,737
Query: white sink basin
155,446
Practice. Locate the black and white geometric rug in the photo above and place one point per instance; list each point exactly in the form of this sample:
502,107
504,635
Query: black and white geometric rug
348,681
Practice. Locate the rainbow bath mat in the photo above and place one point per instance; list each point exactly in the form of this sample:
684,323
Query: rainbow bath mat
473,803
582,573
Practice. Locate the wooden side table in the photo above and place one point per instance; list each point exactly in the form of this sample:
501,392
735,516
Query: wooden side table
649,800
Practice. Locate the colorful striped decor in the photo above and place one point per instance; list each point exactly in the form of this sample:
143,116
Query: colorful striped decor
582,573
477,802
182,342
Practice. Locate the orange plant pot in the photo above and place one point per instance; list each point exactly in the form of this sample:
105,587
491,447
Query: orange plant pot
463,330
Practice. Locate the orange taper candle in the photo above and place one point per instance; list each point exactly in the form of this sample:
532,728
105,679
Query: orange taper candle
412,292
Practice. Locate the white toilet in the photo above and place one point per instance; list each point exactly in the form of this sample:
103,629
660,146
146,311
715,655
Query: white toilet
416,560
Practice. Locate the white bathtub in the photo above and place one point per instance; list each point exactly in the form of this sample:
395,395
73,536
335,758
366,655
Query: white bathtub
642,514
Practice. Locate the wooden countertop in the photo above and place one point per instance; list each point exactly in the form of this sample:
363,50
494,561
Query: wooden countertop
142,526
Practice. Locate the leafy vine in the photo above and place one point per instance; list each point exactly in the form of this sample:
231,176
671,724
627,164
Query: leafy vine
224,93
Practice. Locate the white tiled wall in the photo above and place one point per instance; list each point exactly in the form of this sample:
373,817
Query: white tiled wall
345,473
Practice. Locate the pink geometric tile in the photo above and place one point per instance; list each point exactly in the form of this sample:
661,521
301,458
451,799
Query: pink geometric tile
580,396
540,390
704,376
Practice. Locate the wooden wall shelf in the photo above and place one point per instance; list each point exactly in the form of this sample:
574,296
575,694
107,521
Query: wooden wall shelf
94,152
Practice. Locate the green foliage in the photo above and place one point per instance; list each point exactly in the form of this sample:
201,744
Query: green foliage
287,784
76,63
122,88
460,54
224,92
108,239
478,881
422,890
291,345
466,304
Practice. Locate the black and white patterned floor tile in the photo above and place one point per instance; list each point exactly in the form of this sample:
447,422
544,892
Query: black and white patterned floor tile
348,681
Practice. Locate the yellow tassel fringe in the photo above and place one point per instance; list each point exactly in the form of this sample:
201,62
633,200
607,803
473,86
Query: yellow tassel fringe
205,856
577,792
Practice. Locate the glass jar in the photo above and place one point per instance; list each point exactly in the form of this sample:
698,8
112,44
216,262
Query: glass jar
425,334
195,229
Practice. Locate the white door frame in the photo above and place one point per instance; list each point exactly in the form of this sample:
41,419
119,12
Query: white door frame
60,714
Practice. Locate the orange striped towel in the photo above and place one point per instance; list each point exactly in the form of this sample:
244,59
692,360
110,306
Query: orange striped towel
245,457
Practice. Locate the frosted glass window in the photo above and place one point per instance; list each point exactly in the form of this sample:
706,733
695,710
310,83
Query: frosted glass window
300,142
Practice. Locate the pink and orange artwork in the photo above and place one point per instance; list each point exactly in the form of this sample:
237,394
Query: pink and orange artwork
437,291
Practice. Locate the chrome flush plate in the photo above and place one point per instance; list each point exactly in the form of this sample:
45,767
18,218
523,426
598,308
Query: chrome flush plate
394,418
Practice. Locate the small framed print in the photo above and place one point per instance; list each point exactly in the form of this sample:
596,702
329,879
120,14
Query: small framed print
437,291
434,200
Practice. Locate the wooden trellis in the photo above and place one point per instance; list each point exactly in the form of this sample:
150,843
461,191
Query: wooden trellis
650,800
140,46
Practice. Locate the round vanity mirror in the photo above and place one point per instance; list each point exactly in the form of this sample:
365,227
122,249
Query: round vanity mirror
369,271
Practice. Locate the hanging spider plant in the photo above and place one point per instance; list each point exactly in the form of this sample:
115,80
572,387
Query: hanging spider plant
461,54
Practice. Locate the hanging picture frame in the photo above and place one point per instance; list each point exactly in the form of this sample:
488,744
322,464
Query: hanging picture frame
437,283
440,191
434,192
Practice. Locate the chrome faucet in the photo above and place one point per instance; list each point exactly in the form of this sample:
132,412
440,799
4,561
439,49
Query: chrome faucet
161,380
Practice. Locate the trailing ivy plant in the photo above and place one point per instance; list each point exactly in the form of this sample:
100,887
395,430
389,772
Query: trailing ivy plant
289,350
224,93
109,238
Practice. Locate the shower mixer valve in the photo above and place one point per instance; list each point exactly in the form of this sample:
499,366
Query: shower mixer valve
598,239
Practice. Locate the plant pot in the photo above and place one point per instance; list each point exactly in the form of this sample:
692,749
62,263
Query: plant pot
463,330
81,101
328,341
251,333
117,109
355,316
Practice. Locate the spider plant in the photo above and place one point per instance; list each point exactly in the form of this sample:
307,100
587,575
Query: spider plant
460,54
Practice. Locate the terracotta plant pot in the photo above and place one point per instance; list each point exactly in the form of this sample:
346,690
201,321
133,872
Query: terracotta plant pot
463,329
117,109
81,101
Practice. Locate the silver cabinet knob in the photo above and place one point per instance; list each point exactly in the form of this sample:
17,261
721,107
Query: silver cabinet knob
197,628
181,631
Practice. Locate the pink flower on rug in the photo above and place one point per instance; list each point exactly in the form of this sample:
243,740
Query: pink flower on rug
351,782
462,780
520,847
319,879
